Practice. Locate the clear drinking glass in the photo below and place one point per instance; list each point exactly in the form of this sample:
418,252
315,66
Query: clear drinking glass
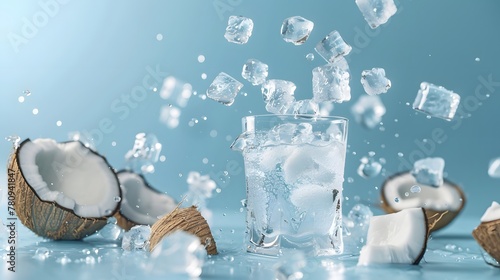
294,168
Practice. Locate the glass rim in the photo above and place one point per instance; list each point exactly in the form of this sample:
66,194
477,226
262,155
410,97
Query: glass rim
298,116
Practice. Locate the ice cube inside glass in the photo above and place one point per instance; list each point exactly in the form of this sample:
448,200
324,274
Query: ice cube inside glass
294,168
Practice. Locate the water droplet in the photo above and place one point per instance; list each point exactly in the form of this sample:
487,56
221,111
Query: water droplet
163,158
396,199
201,58
86,251
41,253
90,260
27,92
400,154
396,135
20,99
407,194
59,123
428,117
117,199
415,189
218,190
350,180
213,133
159,37
113,144
203,76
35,111
477,59
14,139
310,56
108,212
204,160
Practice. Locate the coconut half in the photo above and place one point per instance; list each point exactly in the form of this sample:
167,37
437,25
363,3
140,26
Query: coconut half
141,204
487,234
62,190
442,204
396,238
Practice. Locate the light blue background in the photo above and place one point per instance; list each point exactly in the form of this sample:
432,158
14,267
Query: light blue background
92,53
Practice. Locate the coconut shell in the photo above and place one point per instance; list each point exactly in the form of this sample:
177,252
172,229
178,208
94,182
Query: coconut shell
186,219
436,219
47,219
487,234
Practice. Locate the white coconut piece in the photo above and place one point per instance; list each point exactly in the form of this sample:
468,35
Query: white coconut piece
142,204
70,175
396,238
444,198
492,213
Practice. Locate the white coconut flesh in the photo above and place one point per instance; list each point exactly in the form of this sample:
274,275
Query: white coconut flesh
70,175
492,213
140,203
395,238
398,194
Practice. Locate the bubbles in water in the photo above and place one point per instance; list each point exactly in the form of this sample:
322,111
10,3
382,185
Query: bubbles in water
201,58
159,37
117,199
415,189
310,56
396,199
41,253
369,167
35,111
213,133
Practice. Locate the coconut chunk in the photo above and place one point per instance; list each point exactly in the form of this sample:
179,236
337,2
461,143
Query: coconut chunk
487,234
396,238
141,204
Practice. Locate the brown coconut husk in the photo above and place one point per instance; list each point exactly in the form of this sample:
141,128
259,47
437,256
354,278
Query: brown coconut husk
123,222
48,219
487,234
186,219
438,219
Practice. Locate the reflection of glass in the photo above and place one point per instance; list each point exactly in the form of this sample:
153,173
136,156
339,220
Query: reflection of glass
294,167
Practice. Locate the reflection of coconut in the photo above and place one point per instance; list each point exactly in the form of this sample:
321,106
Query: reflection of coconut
396,238
141,204
442,204
186,219
487,234
62,190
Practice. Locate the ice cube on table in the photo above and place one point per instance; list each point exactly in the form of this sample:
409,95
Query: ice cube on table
377,12
304,107
429,171
179,253
368,111
436,101
238,30
41,254
110,232
494,168
290,267
255,71
169,116
145,152
278,95
176,91
374,81
137,238
296,30
224,89
333,47
331,83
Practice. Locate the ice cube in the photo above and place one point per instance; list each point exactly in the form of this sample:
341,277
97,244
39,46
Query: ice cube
238,30
144,154
368,110
179,253
376,12
41,254
436,101
296,30
224,89
255,71
110,232
494,169
176,91
369,167
304,107
325,108
374,81
137,238
169,116
330,84
278,95
290,267
333,47
429,171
